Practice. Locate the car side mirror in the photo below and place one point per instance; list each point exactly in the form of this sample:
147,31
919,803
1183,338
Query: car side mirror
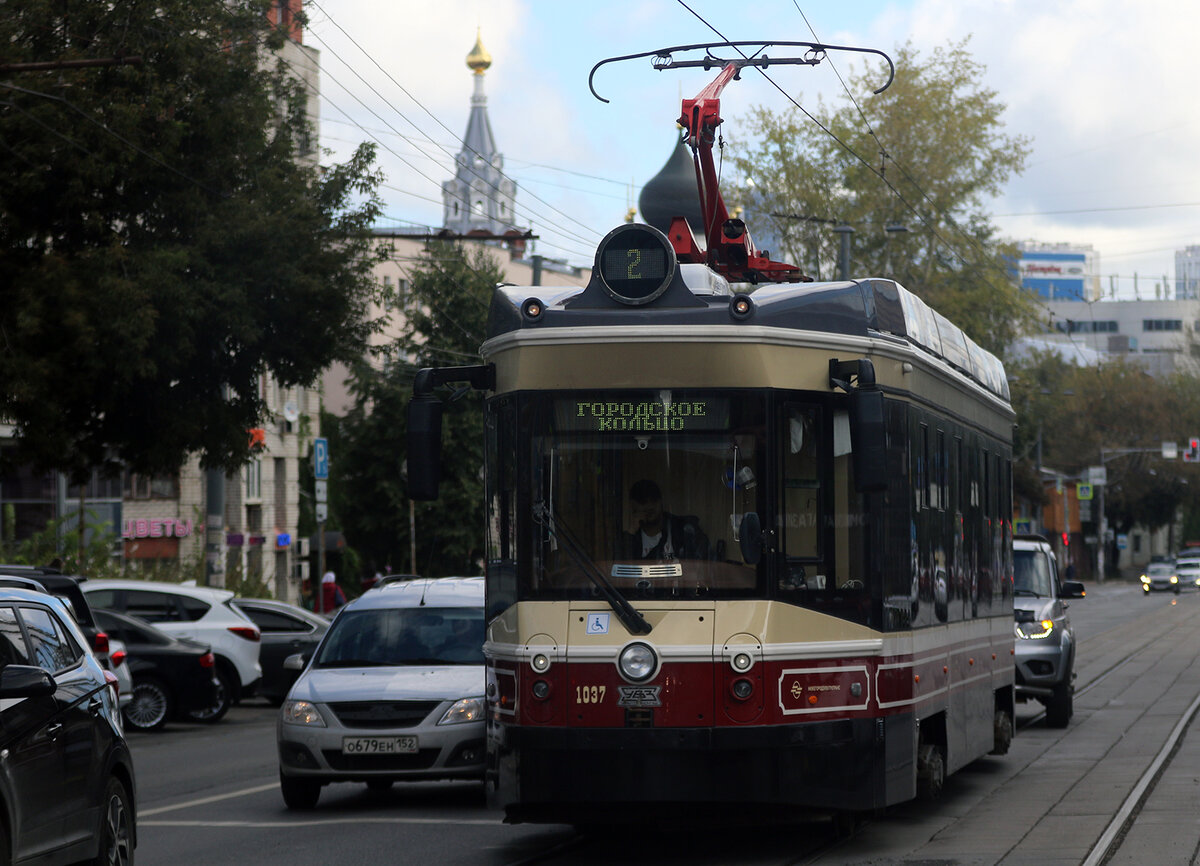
296,662
26,681
1073,589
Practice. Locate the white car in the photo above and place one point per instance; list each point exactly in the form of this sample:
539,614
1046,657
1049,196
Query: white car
395,692
201,613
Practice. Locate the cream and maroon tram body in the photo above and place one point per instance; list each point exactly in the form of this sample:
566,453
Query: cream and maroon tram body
824,620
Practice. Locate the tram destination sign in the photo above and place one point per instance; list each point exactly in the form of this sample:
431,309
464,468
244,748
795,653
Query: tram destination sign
641,416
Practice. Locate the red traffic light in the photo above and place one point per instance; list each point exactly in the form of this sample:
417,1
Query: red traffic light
1066,539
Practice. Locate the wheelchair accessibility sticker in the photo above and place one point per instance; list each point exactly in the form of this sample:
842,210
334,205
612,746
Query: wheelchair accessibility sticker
597,623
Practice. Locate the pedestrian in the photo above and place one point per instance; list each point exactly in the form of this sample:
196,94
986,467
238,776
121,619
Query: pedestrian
332,596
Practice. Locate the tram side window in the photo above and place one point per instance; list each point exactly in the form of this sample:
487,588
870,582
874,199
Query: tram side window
801,516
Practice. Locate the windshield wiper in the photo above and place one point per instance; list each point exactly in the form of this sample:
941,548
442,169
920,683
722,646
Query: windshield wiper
633,621
1020,590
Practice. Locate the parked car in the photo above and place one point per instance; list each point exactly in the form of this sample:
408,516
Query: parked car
67,788
116,660
66,587
395,692
1045,641
286,630
199,613
1160,577
172,677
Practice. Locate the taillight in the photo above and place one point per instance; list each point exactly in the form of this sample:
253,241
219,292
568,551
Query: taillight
100,642
207,660
248,632
117,658
111,679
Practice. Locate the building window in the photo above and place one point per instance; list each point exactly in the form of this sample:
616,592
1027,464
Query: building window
1162,324
253,475
151,486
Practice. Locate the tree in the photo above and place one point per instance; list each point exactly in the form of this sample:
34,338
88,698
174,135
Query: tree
1075,412
927,153
162,247
450,292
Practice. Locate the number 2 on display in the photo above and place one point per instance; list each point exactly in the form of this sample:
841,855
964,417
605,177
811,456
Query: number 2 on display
635,261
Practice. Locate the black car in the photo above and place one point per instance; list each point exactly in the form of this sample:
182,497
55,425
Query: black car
286,630
67,791
171,677
65,586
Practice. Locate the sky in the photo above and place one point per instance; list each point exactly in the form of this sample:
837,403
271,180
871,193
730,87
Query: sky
1104,89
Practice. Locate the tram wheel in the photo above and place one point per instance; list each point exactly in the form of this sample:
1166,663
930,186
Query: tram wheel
846,824
931,771
1002,726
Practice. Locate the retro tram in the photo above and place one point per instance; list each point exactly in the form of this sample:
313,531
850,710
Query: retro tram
748,536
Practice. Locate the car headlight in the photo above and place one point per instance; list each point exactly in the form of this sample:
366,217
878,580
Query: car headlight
465,710
1034,630
302,713
1145,579
1174,578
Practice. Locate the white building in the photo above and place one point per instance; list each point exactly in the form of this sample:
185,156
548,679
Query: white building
1159,335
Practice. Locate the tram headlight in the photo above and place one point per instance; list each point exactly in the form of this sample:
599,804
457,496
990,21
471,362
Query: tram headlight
541,690
637,662
540,663
1036,630
742,662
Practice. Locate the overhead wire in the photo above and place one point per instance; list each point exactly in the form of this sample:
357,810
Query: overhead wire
951,248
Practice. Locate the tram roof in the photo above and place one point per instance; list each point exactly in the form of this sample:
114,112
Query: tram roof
862,308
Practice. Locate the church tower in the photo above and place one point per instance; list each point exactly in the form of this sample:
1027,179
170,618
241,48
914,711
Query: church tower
480,198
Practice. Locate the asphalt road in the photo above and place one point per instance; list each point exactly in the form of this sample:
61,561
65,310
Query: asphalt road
209,794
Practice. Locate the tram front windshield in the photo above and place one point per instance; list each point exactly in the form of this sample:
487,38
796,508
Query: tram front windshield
655,493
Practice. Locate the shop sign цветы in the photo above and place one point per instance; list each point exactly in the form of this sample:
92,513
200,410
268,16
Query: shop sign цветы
166,527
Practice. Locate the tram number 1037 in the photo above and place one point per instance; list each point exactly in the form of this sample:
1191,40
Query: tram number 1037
589,694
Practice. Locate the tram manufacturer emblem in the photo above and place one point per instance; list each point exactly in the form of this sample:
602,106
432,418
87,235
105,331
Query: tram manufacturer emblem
639,696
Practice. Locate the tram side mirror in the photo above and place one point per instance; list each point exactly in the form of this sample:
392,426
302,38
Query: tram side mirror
750,538
424,447
868,436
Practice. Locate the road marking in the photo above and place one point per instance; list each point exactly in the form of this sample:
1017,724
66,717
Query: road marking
213,799
494,822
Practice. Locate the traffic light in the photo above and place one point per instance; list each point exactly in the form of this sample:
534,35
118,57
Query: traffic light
1192,453
1066,539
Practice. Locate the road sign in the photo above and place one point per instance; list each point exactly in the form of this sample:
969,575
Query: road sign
321,459
1083,491
322,512
322,491
1097,475
1192,453
1170,450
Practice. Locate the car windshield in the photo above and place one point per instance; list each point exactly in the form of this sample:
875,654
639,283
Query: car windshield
404,636
1031,573
1164,569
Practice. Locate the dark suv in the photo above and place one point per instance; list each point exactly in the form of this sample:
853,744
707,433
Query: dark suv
65,586
1045,641
67,792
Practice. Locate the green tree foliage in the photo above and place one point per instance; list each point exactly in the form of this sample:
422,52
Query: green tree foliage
927,153
161,248
1120,408
446,309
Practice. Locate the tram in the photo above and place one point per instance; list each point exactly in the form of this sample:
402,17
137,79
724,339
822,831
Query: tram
749,539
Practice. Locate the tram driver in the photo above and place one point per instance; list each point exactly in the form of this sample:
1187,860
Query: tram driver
659,534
